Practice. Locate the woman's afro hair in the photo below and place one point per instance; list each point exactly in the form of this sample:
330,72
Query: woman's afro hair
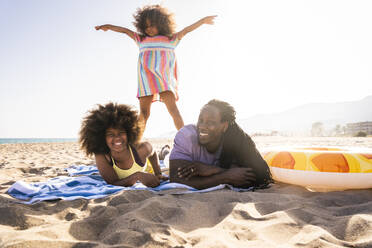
111,115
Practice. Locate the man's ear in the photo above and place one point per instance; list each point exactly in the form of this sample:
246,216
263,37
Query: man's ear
225,126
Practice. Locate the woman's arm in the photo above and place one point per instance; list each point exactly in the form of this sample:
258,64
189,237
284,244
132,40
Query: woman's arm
119,29
145,150
192,27
110,176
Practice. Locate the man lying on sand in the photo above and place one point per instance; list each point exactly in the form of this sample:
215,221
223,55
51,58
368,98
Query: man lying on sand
216,151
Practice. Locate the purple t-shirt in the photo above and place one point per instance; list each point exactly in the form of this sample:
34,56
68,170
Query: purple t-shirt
186,147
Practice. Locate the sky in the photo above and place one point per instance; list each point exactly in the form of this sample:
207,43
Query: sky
260,56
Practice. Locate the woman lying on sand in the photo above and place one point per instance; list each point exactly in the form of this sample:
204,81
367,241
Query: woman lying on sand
111,132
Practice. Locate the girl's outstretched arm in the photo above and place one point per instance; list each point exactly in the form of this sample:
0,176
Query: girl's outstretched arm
119,29
192,27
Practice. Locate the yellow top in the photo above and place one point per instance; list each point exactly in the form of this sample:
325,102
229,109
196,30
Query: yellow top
123,173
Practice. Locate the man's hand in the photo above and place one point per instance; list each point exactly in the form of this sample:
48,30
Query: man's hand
197,169
240,177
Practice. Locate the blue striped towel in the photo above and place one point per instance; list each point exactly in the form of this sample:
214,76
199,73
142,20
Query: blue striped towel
85,182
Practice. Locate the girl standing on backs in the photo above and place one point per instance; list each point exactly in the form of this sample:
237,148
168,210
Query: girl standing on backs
157,65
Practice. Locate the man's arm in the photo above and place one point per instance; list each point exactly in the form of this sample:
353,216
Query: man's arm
239,177
240,149
251,157
197,182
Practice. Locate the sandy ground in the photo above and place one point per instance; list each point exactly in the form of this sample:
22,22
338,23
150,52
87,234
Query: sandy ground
281,216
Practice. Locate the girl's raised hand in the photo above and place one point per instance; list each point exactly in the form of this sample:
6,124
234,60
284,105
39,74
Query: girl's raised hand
103,27
209,19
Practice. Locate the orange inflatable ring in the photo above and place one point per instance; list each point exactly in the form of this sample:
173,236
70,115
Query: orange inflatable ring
321,168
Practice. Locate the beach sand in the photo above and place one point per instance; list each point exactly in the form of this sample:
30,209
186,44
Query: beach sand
281,216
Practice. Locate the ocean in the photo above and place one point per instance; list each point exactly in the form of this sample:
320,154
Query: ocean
35,140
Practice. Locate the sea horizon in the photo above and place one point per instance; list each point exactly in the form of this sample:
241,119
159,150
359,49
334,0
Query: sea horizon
55,140
35,140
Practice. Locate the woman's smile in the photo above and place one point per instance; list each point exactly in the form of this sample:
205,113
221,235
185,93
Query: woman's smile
116,139
118,144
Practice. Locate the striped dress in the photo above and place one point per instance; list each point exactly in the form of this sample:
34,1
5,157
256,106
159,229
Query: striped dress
157,66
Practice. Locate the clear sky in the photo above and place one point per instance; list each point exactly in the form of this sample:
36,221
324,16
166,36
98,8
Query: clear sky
261,56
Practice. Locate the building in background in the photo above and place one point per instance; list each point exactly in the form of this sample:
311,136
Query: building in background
354,128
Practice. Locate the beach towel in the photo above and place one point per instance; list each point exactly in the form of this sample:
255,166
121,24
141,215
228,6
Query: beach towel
85,182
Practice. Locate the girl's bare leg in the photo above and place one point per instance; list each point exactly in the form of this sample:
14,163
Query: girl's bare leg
170,101
145,107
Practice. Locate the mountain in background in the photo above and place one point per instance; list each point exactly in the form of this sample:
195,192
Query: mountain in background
299,120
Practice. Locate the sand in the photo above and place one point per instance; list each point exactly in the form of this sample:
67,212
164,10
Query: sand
281,216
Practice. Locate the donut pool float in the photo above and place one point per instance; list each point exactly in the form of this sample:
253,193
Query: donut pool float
321,168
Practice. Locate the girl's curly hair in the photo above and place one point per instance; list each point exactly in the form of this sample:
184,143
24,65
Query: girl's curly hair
158,16
98,120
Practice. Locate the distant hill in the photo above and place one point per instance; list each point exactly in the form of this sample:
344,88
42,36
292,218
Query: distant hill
299,120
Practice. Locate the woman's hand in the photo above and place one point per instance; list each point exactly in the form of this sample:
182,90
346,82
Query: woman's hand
162,177
149,180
